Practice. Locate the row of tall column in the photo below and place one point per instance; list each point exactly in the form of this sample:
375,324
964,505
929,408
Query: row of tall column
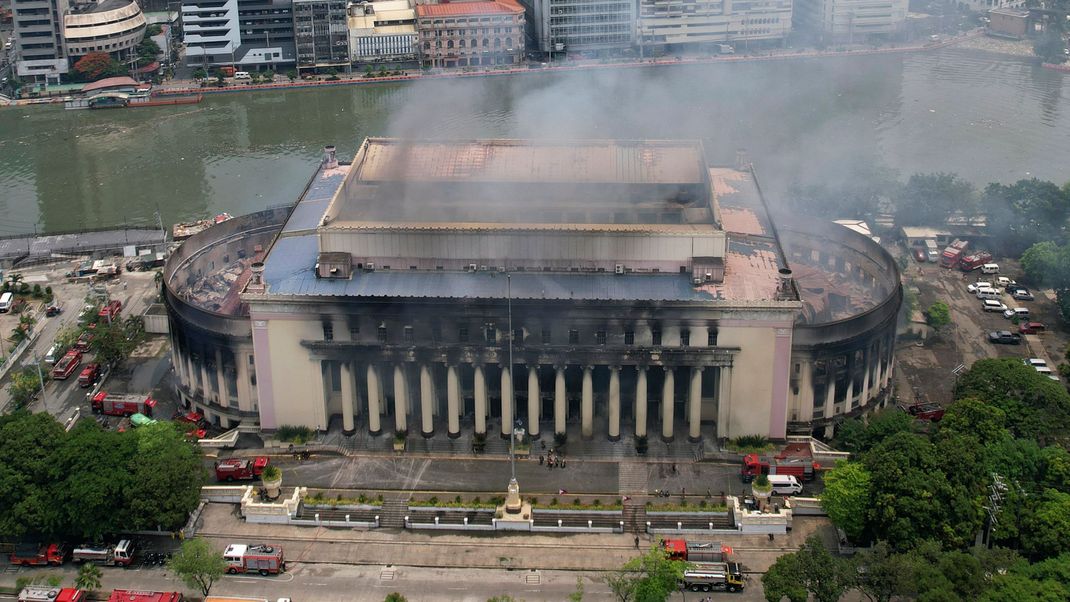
428,398
216,388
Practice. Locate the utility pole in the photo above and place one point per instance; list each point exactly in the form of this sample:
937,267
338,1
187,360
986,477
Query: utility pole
40,379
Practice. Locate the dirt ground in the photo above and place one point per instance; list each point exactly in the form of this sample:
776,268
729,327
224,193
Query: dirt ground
928,370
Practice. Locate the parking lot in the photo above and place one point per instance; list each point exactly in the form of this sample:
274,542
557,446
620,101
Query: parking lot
929,369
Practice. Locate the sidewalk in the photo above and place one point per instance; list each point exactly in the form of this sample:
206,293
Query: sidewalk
578,552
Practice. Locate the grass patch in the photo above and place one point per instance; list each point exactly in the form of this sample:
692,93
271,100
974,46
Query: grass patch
652,507
751,444
297,435
575,505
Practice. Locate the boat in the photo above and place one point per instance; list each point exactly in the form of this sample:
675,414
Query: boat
122,100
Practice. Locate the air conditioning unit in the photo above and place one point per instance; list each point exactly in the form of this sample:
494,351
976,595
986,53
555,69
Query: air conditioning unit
482,268
501,269
370,266
709,276
471,267
618,269
697,281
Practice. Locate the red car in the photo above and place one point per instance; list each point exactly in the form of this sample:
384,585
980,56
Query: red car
53,310
919,255
89,375
1031,328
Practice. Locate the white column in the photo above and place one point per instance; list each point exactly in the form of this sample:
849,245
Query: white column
245,400
319,389
453,404
507,401
868,372
221,379
479,388
587,405
560,403
401,399
640,402
667,389
534,400
206,386
348,387
427,425
614,403
830,396
374,423
694,432
724,402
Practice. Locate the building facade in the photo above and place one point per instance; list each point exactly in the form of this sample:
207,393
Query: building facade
112,26
247,34
850,20
465,34
39,45
382,31
321,33
676,22
402,294
581,26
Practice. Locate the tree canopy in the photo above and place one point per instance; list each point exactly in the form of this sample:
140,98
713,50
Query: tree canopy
198,565
89,482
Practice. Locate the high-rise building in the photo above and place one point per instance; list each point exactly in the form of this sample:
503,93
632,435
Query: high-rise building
849,20
242,33
681,22
581,25
113,26
466,34
382,31
321,33
40,51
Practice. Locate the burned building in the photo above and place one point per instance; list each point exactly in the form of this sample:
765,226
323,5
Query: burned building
610,287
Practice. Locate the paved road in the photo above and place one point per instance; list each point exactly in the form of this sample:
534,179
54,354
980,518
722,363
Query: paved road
344,583
492,475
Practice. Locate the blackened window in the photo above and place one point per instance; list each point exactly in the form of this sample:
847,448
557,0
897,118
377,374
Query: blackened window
685,338
462,334
546,338
711,337
382,334
407,333
518,335
656,336
600,337
629,337
573,336
328,331
491,334
354,332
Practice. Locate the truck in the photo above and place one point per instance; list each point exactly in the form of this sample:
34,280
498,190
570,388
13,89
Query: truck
120,554
44,593
110,310
240,469
974,260
89,376
926,411
953,252
38,554
801,468
714,577
695,551
122,405
127,595
248,558
932,252
66,366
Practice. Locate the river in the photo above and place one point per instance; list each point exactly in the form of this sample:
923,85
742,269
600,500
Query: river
983,116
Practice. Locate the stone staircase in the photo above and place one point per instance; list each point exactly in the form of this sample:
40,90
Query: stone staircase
394,512
634,516
632,478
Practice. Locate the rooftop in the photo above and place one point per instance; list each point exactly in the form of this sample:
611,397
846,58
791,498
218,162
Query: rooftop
424,184
455,9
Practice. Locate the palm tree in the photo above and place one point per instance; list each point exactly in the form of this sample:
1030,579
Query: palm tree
88,577
14,279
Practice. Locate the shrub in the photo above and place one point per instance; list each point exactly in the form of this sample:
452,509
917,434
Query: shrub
577,502
361,499
37,292
752,441
476,500
457,499
433,501
24,288
48,291
293,434
534,501
553,502
596,503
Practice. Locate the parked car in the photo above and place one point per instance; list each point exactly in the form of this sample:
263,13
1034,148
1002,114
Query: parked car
980,284
1031,328
1022,295
1021,312
53,310
1004,337
919,255
993,305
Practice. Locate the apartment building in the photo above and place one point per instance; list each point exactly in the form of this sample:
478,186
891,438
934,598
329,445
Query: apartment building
684,22
581,26
849,20
467,34
38,29
382,31
249,34
321,33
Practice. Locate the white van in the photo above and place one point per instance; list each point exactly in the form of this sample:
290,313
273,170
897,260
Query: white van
784,484
242,75
990,268
988,293
5,302
54,353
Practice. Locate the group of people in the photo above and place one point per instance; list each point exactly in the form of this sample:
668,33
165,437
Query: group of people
552,459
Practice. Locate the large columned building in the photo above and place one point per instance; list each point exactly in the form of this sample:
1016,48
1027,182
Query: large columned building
603,288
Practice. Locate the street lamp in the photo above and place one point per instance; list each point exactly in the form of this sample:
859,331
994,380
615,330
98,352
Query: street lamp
513,504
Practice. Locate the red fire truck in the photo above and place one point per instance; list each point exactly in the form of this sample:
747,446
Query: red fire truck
111,310
37,554
44,593
89,375
263,559
974,260
66,366
696,551
128,595
122,405
240,469
795,459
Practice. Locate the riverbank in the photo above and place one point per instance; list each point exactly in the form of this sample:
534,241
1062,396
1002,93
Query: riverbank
188,87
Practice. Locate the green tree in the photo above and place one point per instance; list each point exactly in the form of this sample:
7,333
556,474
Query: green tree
928,199
24,385
27,446
846,497
652,577
1050,45
198,565
973,417
166,478
859,435
938,315
395,597
1025,213
91,470
1035,407
812,569
1048,529
577,594
200,73
881,575
89,576
113,342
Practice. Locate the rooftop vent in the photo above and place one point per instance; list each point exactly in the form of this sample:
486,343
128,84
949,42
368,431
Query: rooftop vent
330,158
333,264
256,283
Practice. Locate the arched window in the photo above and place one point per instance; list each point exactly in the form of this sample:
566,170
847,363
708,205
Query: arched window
449,44
497,42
